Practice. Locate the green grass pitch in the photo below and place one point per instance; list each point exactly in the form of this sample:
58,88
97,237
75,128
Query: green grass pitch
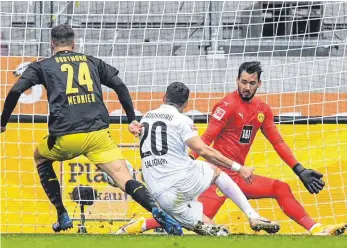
154,241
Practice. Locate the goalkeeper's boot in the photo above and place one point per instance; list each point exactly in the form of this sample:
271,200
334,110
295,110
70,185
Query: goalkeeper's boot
328,230
133,227
210,229
171,226
64,223
261,223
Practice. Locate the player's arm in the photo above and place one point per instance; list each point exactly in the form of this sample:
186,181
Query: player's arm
218,120
124,97
210,154
190,136
109,77
310,178
29,78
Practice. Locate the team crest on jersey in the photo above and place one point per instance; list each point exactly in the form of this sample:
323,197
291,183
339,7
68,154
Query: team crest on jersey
261,117
219,193
219,113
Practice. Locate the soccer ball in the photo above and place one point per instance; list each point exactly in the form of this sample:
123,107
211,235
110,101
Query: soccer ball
20,69
110,181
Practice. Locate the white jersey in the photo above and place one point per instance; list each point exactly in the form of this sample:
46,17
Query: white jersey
164,154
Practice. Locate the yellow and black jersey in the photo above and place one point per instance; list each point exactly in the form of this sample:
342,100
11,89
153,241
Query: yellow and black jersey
73,83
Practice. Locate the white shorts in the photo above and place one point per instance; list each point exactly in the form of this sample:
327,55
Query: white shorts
180,200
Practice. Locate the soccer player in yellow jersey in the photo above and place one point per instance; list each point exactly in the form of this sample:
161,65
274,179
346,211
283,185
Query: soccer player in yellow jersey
79,121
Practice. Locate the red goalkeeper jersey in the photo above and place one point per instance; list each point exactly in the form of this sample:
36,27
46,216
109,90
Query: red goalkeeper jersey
234,124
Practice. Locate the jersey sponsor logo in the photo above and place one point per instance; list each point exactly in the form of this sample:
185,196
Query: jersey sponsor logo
246,134
261,117
219,113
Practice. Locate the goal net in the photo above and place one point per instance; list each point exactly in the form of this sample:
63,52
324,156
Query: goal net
301,45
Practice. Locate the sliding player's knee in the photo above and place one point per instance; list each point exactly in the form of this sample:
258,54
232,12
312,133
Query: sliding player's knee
281,189
168,201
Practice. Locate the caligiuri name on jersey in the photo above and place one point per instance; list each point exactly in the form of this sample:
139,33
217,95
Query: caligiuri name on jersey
155,162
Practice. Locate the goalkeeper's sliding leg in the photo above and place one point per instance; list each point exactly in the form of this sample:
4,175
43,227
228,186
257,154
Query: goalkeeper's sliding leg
264,187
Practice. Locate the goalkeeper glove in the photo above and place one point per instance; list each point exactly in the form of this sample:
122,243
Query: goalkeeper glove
310,178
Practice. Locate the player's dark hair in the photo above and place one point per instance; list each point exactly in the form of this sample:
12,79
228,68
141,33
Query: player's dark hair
62,35
250,68
177,93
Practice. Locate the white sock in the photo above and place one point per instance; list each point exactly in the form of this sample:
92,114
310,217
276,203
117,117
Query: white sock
232,191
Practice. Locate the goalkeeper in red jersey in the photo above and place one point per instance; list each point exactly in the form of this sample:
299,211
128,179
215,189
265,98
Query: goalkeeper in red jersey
232,128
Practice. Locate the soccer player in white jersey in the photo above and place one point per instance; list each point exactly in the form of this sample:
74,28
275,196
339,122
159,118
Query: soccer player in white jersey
175,180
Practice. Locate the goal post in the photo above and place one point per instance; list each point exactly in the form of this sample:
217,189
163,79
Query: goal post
302,48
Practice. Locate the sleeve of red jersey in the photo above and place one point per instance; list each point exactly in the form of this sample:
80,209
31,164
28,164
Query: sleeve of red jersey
271,132
220,116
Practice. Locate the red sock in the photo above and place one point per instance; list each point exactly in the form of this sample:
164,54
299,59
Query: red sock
306,222
151,224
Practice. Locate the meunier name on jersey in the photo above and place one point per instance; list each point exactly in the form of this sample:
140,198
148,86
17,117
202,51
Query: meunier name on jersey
79,98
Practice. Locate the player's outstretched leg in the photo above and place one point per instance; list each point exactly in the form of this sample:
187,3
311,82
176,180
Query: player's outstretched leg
51,186
119,173
263,187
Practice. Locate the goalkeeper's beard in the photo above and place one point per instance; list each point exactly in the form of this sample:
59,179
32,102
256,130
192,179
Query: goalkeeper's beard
246,98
